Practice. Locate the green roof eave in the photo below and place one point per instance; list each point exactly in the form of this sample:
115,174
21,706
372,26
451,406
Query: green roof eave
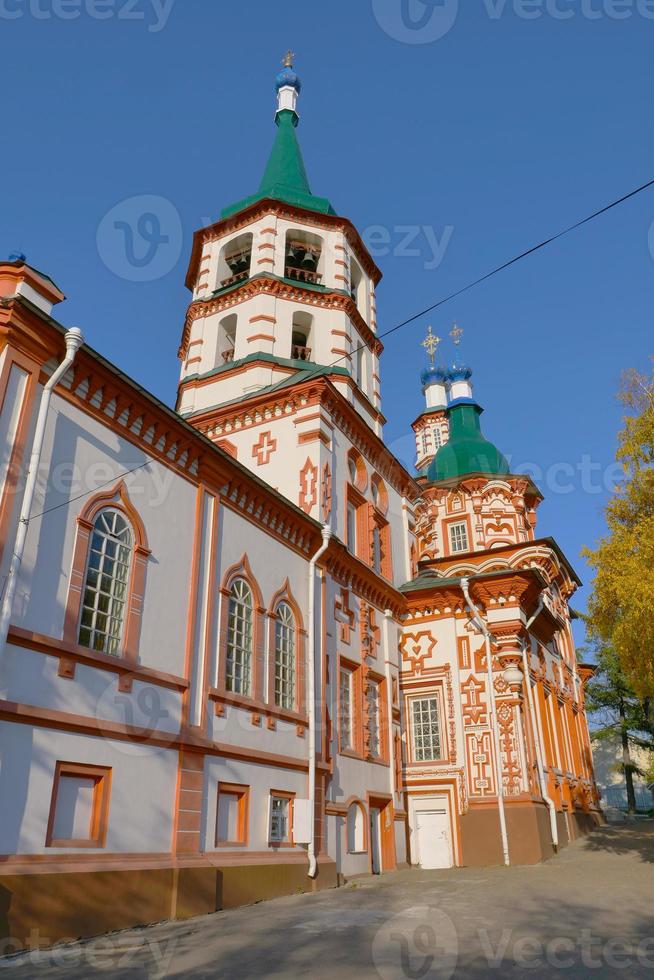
427,581
303,371
285,177
287,196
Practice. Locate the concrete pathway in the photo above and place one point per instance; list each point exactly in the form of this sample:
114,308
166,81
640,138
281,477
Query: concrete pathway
587,913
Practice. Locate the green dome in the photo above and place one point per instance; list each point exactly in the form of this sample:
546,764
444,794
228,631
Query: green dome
466,451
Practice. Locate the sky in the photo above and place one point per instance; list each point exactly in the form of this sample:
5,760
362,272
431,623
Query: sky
454,135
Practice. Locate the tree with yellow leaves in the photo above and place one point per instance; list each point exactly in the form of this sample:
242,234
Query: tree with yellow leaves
621,609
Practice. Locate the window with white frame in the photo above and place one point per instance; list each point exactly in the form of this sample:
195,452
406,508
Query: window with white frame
238,666
458,537
107,582
374,741
280,819
425,729
345,717
438,437
285,677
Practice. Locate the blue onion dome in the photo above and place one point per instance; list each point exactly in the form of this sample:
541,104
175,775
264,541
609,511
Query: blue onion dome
433,375
459,372
287,77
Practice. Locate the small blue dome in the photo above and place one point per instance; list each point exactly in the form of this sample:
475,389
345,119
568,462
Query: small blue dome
288,77
433,376
459,372
17,257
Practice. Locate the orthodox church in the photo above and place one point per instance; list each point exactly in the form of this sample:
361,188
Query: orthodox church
244,651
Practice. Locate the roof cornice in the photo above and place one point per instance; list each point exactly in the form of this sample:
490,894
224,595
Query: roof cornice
241,219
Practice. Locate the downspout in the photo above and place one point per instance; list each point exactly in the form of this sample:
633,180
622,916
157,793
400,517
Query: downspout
74,341
534,725
481,625
388,617
311,688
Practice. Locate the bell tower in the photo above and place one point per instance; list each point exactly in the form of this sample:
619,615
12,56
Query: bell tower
279,346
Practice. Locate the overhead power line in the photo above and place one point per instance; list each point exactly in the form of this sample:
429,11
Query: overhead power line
486,276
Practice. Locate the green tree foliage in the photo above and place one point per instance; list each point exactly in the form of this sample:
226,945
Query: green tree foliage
621,609
620,713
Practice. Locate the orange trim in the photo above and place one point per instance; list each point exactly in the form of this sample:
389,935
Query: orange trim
283,795
243,571
101,777
263,317
242,794
15,359
52,647
117,498
285,595
261,336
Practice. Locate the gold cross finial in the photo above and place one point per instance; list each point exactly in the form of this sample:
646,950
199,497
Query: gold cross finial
288,59
456,334
430,343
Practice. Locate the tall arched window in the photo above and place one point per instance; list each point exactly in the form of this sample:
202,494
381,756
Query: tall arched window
238,669
285,669
106,588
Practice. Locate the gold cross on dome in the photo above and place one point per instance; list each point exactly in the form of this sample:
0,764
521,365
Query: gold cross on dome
430,343
456,334
289,57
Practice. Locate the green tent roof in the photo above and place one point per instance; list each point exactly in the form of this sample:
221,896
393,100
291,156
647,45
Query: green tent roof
467,451
285,177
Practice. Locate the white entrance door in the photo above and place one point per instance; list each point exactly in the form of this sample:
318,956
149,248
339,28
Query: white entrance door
434,846
375,848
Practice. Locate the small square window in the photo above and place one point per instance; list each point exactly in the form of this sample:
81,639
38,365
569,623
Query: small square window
281,810
79,807
458,538
232,814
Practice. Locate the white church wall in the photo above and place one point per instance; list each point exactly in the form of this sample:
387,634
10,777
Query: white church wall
261,780
143,781
80,456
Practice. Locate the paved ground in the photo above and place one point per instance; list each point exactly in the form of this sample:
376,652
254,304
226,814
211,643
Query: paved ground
587,913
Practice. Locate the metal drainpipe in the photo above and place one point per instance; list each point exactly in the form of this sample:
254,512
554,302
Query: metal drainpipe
539,749
74,341
479,622
311,687
388,618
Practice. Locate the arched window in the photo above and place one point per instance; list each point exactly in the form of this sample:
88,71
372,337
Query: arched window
285,667
356,829
106,586
238,668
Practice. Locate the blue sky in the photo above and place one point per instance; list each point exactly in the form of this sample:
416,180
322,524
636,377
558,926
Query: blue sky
492,136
